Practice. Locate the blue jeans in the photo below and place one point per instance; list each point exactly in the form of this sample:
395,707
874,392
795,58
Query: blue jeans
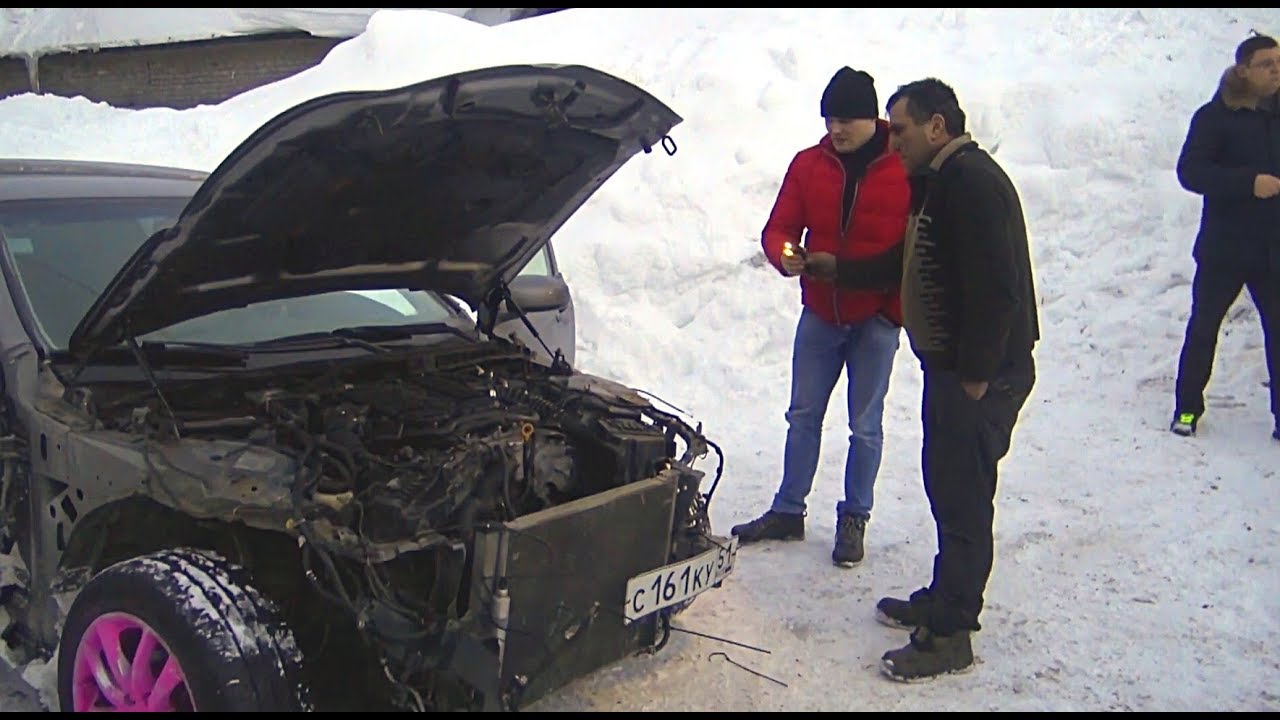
866,351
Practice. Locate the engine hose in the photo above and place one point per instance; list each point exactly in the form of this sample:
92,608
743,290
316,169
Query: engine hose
540,405
719,471
664,620
340,598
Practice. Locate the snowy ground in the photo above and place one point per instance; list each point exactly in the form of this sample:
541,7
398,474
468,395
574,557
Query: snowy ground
1135,570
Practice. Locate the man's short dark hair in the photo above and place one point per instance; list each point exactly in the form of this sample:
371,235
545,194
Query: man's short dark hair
1251,45
929,97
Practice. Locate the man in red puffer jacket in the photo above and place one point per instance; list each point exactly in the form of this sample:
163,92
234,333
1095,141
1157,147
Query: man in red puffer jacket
847,196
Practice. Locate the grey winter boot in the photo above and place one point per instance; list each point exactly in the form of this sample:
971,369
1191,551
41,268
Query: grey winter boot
904,614
850,530
771,526
928,656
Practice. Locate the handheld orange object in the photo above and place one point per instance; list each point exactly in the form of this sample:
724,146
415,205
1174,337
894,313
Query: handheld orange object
790,250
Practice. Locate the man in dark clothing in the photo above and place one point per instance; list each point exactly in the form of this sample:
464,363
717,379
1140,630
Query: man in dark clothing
969,308
1232,157
848,196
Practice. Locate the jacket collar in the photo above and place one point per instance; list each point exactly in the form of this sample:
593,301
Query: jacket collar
882,128
1235,95
948,150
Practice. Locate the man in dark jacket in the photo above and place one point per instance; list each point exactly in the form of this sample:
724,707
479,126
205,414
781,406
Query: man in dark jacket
969,308
848,196
1232,157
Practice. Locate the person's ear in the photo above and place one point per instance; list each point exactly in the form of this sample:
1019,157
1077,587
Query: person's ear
937,126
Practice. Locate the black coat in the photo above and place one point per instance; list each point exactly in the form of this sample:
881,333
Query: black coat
1227,146
969,298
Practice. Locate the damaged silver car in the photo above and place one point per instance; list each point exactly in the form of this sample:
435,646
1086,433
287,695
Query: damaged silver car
306,433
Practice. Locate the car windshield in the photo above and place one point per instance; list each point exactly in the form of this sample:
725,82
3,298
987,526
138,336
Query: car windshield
65,252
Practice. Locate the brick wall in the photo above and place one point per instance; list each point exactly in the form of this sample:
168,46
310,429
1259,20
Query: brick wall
178,75
13,77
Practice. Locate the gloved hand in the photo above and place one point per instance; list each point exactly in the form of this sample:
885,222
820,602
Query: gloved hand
821,265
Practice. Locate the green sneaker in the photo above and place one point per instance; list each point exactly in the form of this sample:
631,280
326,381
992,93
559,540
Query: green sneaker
928,656
1184,424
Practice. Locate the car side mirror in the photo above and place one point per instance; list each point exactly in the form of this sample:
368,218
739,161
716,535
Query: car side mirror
537,293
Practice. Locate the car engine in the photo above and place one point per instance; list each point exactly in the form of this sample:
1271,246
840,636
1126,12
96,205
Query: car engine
401,446
402,472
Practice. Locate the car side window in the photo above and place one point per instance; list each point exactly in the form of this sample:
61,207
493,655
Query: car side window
539,266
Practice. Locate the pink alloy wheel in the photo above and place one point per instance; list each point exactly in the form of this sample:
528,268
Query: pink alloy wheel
122,665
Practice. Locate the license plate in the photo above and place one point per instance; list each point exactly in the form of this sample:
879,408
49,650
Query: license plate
677,582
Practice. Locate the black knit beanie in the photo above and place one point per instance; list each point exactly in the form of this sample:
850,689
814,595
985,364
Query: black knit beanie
850,94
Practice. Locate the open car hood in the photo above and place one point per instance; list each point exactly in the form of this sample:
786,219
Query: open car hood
450,185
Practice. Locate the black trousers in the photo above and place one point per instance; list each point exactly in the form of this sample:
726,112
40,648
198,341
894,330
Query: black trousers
964,440
1215,287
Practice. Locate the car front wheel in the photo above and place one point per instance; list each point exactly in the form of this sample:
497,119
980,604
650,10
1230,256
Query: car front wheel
179,630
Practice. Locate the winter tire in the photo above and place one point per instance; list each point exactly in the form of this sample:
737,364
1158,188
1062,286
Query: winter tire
212,643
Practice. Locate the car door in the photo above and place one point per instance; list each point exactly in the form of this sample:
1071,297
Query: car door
556,327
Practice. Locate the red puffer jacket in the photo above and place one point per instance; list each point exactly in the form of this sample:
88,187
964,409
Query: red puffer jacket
811,198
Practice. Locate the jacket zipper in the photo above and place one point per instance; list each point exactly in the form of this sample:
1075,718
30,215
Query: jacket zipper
846,221
844,235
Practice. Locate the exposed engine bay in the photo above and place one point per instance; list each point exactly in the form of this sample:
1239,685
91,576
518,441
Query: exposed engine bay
404,472
428,443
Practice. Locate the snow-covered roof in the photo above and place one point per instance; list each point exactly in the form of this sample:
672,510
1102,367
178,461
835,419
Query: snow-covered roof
26,32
